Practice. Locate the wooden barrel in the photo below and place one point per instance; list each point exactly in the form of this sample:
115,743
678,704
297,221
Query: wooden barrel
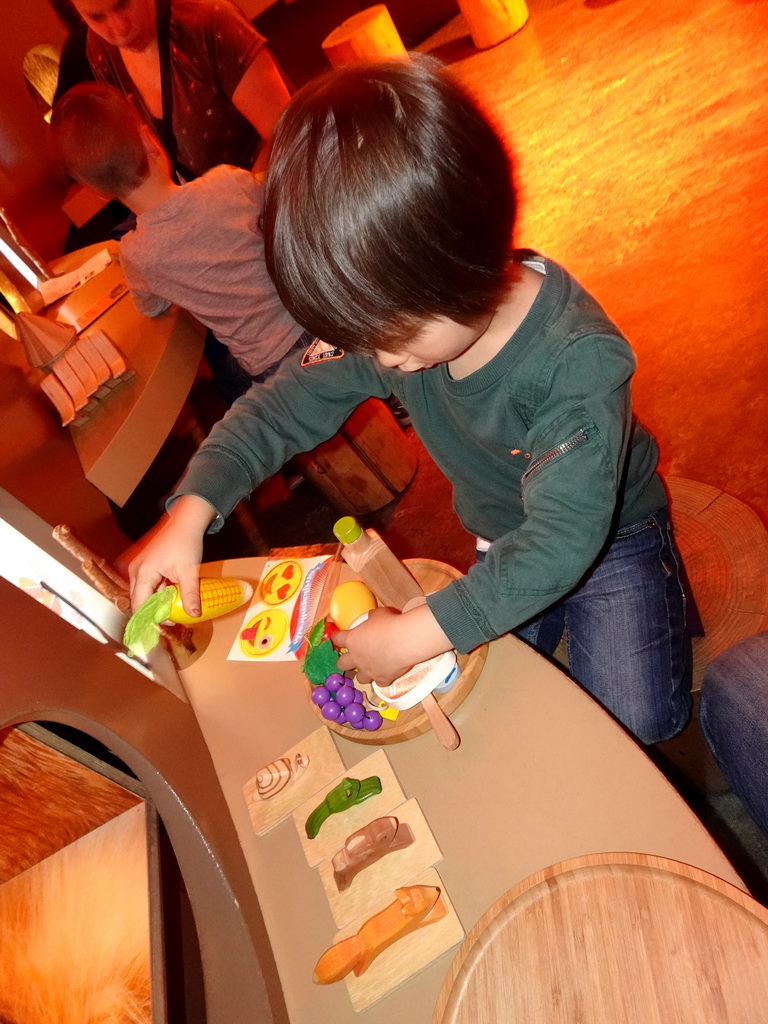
367,34
492,21
367,464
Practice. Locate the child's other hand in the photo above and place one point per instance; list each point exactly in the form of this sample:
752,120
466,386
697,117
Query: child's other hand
387,644
172,553
374,648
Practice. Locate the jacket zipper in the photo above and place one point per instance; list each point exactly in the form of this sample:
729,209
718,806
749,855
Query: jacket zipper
551,455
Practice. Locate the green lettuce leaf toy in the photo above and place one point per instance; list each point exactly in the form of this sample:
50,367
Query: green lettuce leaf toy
321,657
141,631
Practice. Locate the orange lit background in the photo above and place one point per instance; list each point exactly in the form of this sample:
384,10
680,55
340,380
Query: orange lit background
641,135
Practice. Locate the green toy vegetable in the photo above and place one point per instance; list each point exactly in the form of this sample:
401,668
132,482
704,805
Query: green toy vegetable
348,793
321,657
141,630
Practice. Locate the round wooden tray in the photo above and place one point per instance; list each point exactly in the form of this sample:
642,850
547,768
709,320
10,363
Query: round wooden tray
613,937
432,576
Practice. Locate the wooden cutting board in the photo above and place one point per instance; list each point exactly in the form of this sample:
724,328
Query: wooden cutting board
616,938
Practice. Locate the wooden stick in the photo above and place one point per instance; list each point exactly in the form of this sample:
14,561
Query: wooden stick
81,551
106,586
441,724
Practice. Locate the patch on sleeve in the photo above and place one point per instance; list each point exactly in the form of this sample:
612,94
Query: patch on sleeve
320,350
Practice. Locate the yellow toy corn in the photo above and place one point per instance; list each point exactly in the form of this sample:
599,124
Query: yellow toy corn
217,597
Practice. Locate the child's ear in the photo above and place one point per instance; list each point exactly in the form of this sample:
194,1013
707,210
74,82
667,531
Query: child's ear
150,141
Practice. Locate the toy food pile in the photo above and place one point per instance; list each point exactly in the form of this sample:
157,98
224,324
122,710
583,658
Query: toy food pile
414,685
334,693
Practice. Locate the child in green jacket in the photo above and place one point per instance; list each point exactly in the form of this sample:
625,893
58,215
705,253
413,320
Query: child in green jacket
388,219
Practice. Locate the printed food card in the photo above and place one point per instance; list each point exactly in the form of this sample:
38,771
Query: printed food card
283,608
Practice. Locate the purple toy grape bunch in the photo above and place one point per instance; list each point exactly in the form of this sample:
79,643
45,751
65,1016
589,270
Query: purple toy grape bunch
340,702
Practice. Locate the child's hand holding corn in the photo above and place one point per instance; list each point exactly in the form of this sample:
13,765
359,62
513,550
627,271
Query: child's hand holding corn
173,554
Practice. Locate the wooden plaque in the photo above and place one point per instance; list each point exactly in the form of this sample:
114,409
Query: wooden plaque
404,958
337,827
324,763
379,880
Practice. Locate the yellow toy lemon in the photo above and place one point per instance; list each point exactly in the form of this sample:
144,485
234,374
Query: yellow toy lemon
348,601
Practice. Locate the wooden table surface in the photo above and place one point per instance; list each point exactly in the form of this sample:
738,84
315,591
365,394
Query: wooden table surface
613,937
123,435
542,775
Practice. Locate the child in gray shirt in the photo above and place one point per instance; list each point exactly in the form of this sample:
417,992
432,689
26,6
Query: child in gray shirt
197,245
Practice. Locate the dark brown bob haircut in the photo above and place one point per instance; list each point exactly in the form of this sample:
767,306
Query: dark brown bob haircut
389,202
96,135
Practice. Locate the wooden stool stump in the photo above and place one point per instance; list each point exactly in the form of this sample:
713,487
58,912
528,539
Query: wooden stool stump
369,34
492,21
724,547
364,466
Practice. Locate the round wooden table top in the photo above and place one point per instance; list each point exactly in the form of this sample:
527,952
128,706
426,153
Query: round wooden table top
610,938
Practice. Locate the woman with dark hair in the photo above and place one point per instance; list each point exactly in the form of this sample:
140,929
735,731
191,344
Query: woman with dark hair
73,64
197,72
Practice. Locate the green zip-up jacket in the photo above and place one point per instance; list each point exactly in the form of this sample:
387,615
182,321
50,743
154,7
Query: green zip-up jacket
540,445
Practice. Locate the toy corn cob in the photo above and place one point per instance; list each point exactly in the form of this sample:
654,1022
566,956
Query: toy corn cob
217,597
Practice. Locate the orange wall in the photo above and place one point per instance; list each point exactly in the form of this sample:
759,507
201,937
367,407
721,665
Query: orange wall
31,185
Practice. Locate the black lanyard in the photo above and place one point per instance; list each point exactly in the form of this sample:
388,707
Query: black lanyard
167,135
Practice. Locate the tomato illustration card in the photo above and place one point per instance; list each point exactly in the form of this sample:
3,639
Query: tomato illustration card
283,608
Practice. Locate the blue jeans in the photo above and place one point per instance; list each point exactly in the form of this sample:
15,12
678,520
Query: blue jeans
625,631
230,378
734,719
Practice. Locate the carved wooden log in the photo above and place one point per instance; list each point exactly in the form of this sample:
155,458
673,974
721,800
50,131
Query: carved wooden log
370,33
368,845
109,582
492,21
72,543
